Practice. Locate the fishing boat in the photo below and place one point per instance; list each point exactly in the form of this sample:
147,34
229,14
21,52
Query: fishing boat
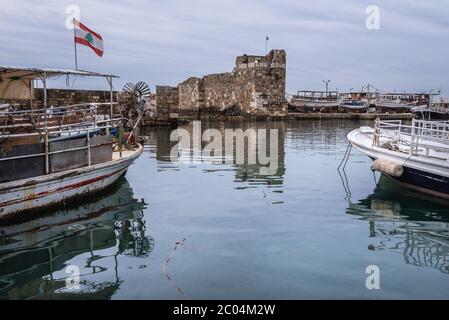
415,156
432,111
355,105
396,105
306,100
51,156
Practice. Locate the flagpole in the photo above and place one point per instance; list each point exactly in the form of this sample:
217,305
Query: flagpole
266,45
74,42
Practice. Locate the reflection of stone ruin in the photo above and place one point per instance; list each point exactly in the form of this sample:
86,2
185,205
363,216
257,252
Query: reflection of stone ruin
244,172
256,85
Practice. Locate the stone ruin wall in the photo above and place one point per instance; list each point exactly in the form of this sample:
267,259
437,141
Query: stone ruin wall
167,102
257,84
219,91
191,95
65,97
61,97
267,75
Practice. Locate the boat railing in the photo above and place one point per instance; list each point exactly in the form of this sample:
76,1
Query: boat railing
59,118
430,135
316,95
44,136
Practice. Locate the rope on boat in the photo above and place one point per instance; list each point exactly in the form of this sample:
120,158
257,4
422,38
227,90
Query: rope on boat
374,177
345,157
167,261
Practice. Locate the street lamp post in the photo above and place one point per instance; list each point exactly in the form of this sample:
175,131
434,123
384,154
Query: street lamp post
327,86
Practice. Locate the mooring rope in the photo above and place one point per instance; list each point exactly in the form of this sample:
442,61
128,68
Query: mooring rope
165,267
374,177
346,156
342,173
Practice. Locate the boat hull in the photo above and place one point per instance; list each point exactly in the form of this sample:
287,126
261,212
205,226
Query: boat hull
305,106
421,181
55,189
385,106
431,115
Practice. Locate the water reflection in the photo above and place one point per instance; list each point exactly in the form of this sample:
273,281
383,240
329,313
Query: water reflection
408,223
35,253
158,142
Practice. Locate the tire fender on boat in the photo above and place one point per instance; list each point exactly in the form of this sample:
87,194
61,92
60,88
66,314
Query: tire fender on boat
387,167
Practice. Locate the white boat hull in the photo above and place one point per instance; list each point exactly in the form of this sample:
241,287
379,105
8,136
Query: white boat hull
48,190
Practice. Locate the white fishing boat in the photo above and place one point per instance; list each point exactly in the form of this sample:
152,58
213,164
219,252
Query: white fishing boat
49,158
355,105
416,156
306,100
393,105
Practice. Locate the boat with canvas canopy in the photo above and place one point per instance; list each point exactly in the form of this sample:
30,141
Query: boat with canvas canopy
51,155
307,100
355,105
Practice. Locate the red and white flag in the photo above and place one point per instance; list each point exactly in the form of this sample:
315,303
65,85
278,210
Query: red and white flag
87,37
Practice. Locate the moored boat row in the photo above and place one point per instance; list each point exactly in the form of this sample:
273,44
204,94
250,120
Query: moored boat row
422,104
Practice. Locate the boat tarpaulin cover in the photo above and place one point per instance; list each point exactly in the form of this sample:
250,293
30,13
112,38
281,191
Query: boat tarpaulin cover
16,89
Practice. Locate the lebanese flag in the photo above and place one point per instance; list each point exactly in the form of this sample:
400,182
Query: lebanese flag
87,37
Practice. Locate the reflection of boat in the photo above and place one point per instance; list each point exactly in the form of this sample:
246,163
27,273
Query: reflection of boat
417,228
416,155
51,155
35,253
305,101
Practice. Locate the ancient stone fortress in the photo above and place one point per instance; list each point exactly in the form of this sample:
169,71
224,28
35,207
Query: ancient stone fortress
255,86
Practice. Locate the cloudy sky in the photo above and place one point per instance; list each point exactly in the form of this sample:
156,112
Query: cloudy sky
164,42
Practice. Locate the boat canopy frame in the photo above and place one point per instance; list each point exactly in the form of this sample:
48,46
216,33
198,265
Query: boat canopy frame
43,74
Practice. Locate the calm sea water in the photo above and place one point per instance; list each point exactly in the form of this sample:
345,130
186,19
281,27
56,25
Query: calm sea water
204,230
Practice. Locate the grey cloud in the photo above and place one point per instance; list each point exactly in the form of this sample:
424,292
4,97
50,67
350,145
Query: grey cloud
164,42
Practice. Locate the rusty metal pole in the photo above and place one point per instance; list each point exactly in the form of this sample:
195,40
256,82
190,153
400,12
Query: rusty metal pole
89,161
44,82
112,98
47,158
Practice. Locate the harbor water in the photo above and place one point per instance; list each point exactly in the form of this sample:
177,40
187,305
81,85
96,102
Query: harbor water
195,227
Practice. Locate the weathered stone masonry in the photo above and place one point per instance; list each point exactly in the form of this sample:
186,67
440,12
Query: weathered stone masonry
167,102
65,97
256,85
